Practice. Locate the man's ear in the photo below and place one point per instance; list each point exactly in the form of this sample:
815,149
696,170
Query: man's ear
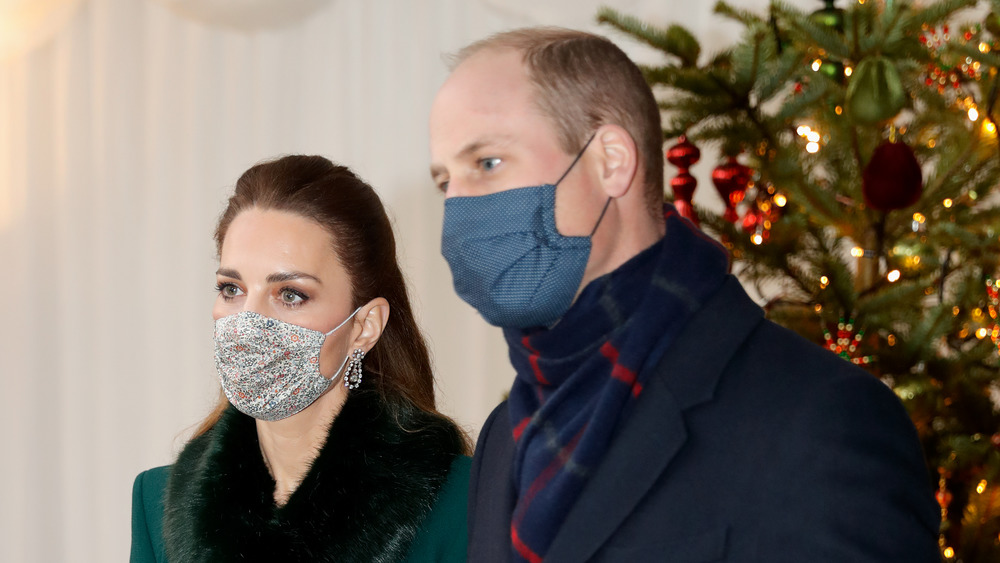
369,323
618,159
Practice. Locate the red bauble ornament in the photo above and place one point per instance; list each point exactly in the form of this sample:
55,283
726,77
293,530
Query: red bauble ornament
683,186
751,220
892,179
683,155
731,180
943,497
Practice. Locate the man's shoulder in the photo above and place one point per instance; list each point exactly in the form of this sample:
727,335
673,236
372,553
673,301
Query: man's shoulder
731,353
491,462
495,433
787,354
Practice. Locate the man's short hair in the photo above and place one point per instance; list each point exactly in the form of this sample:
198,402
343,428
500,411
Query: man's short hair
584,81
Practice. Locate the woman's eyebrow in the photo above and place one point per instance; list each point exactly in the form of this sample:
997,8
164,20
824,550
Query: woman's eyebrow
279,277
229,273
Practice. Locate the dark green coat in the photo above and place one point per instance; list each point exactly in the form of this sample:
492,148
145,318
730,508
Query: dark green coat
374,493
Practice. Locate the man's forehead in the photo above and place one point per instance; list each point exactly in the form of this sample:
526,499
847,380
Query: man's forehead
489,73
478,98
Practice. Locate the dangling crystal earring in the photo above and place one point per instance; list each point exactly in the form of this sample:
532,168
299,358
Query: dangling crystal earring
352,377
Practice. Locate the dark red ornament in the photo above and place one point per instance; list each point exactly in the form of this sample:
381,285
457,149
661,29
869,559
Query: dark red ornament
943,497
683,155
683,186
892,179
731,179
751,220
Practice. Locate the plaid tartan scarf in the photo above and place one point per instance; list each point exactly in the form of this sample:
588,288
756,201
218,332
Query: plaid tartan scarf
577,380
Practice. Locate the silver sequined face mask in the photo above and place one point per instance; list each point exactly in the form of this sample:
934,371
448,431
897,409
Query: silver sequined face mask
269,369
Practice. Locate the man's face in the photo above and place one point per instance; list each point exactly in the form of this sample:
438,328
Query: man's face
487,135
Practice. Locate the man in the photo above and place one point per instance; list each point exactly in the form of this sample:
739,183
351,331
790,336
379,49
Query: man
655,415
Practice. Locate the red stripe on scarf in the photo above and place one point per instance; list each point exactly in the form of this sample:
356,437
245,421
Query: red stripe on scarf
519,429
620,372
533,358
557,463
522,549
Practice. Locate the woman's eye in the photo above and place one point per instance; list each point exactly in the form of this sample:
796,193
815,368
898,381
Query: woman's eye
228,290
489,164
291,297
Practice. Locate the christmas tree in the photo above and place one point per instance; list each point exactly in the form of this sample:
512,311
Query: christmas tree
859,183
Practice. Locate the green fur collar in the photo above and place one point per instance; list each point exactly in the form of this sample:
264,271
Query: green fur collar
363,499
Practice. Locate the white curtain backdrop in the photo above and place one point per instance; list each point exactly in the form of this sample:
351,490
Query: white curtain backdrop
120,138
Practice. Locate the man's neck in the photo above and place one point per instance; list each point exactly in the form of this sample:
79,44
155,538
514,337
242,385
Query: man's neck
620,241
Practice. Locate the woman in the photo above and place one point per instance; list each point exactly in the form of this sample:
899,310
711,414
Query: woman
326,445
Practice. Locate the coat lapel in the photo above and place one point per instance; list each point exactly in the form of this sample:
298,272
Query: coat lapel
652,435
491,490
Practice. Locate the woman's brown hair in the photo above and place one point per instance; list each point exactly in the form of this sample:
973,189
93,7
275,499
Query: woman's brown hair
362,238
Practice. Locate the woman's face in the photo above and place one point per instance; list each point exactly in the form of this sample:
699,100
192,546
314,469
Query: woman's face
282,266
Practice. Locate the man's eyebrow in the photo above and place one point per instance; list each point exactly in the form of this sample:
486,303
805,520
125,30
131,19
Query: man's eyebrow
437,170
487,141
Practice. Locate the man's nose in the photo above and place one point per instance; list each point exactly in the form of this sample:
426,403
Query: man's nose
456,189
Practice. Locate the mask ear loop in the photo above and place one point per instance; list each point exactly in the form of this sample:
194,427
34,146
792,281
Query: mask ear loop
603,211
349,317
338,373
578,156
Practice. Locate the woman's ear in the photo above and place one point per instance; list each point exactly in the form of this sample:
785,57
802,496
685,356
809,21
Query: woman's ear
617,159
369,323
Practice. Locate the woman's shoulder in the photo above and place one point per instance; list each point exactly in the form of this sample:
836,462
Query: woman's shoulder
443,536
147,515
460,468
149,487
152,479
454,492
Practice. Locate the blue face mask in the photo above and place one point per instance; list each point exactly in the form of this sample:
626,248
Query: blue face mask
507,258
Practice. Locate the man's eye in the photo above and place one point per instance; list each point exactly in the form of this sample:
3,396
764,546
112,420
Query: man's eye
489,164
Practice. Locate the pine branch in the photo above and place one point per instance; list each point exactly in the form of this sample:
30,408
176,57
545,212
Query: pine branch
936,13
746,17
675,40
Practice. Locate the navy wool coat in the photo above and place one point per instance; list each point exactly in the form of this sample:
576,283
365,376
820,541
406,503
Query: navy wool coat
748,444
